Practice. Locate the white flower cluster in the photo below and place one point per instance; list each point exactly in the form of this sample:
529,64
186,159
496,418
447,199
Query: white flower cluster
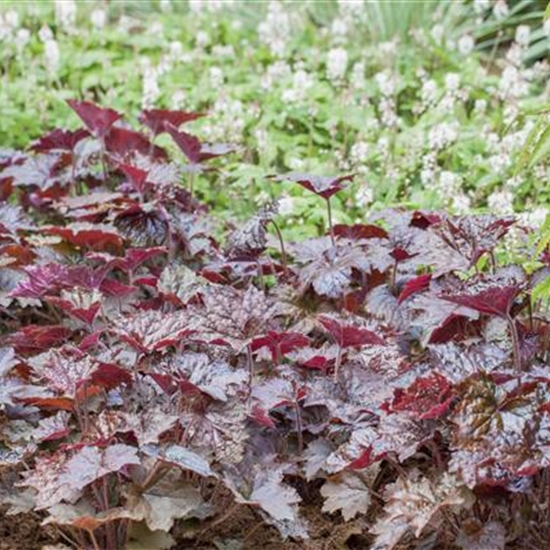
22,38
359,152
227,121
287,205
337,64
387,107
339,31
9,23
276,29
275,73
428,93
65,15
481,6
52,54
208,6
98,18
357,78
364,195
448,184
442,135
501,202
500,10
533,219
503,150
150,86
466,44
302,81
352,9
461,203
216,77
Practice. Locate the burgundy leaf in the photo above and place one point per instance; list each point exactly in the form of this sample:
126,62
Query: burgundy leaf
35,338
94,236
136,176
426,398
123,143
455,326
491,300
42,279
97,119
59,140
109,376
81,304
423,219
143,227
195,151
320,185
133,257
349,335
280,343
155,119
418,284
360,231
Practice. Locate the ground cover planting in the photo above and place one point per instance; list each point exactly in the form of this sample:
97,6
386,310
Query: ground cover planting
155,373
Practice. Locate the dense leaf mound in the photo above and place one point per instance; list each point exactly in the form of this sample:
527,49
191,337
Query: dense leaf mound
154,373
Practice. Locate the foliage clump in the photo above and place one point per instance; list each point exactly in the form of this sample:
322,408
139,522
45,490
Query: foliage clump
155,373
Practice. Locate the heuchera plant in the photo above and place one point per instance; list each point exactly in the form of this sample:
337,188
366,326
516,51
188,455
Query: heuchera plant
153,374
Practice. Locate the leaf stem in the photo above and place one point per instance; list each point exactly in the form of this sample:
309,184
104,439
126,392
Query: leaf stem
337,363
299,428
103,163
154,475
331,227
250,362
281,242
94,540
515,342
191,184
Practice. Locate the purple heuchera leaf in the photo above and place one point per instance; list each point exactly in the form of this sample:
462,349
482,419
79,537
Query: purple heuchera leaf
91,463
418,284
156,119
491,300
150,331
137,176
350,335
84,234
360,231
59,140
123,143
35,338
98,120
280,343
196,151
320,185
426,398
